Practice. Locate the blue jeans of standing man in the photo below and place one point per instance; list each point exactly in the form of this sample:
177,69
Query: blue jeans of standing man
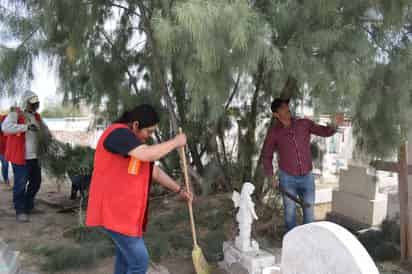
27,180
4,168
302,186
131,254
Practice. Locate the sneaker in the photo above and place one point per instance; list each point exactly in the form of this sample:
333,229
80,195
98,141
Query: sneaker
22,218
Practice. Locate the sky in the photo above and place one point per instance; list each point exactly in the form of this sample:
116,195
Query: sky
45,81
45,84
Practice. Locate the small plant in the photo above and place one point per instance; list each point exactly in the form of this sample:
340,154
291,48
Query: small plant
75,257
157,242
212,243
391,231
83,235
383,245
90,246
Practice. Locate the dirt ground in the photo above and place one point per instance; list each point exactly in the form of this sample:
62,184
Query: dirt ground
48,229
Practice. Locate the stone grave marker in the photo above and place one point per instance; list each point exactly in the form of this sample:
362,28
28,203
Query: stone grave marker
358,198
324,248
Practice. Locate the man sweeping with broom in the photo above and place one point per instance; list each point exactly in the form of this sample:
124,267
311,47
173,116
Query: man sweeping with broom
120,186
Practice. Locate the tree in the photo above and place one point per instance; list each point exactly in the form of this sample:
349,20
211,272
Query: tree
214,66
100,66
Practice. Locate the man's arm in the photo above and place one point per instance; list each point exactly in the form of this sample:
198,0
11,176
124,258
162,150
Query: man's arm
163,179
323,131
10,125
151,153
268,149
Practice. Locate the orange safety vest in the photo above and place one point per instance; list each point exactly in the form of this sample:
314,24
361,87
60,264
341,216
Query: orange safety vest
16,143
119,191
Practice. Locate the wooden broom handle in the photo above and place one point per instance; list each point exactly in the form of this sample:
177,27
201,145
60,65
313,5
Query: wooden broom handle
187,183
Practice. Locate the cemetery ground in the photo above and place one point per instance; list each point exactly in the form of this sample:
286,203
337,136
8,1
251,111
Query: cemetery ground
54,242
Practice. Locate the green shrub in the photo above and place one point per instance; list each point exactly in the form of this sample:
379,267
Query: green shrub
211,245
75,257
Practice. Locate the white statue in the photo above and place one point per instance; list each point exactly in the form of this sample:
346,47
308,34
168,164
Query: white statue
245,217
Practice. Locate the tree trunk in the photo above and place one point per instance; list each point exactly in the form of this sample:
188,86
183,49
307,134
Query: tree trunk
223,163
178,85
250,139
220,135
290,89
403,201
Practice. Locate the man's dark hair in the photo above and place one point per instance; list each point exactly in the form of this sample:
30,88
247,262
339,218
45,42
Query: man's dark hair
277,103
145,114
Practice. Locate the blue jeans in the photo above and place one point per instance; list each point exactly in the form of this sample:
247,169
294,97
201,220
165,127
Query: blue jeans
4,168
131,254
302,186
27,180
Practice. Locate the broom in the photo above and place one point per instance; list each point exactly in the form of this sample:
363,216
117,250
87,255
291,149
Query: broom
199,262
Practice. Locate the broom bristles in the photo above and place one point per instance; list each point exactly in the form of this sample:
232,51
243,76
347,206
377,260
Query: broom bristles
199,261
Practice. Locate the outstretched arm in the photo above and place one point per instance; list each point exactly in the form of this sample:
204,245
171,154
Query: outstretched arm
323,131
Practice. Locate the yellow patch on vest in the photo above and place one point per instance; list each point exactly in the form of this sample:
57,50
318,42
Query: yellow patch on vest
134,166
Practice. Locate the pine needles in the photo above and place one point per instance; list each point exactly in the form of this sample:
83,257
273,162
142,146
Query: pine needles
61,159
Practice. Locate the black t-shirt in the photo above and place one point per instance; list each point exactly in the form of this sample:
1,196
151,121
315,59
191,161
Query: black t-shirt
121,141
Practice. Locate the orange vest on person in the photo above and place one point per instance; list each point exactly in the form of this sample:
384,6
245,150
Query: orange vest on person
3,137
16,143
119,193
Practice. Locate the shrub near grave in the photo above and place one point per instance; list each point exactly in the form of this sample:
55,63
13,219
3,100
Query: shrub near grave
382,245
90,246
170,234
59,258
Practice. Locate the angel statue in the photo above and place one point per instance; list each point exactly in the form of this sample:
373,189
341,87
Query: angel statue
245,217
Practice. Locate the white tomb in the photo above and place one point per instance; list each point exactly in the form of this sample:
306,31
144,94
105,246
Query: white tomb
323,248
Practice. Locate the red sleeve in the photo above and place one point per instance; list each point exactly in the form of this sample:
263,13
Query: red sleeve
268,149
323,131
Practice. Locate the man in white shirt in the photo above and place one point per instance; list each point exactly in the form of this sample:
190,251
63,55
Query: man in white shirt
22,128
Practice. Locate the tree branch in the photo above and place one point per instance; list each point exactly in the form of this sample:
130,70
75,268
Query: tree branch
144,11
290,88
234,91
372,36
159,140
115,5
28,37
124,62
